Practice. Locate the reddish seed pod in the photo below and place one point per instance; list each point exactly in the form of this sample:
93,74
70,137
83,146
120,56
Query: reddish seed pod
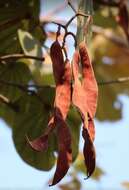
41,143
62,75
62,104
58,63
84,97
64,151
89,152
63,92
89,82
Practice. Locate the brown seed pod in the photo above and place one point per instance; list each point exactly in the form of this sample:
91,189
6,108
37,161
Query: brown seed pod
62,75
64,151
89,82
84,97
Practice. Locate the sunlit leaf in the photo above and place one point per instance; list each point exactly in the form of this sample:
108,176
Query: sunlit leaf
31,46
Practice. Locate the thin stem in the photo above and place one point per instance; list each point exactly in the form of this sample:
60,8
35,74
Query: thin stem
74,37
76,15
26,87
72,7
18,56
118,80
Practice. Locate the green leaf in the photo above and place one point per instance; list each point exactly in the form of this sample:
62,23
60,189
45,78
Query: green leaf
32,47
32,120
7,114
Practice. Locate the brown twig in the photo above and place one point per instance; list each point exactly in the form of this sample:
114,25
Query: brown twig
97,30
27,87
18,56
76,15
72,7
65,36
118,80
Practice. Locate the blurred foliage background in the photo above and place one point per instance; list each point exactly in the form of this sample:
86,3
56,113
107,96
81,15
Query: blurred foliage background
26,80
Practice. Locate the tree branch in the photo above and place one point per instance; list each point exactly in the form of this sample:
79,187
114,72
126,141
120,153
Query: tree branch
118,80
96,29
18,56
72,7
27,87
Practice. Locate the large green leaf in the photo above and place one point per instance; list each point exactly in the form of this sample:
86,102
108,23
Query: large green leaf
32,120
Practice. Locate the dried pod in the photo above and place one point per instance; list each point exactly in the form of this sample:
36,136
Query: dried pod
62,104
84,97
58,63
65,151
89,83
62,75
89,152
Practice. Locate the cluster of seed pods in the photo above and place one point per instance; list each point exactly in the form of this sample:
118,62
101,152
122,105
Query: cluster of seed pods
81,94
